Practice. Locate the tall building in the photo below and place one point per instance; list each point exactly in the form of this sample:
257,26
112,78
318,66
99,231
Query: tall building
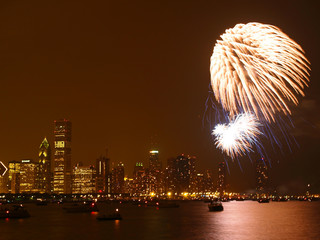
204,182
3,183
83,181
181,174
62,157
103,178
221,185
28,176
154,172
14,177
118,179
139,179
154,162
262,176
44,168
3,178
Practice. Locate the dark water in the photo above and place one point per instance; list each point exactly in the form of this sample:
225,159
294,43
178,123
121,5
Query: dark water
239,220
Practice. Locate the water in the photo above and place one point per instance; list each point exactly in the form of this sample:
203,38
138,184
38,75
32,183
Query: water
192,220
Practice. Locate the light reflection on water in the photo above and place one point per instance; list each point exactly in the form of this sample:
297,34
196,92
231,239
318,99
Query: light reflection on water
192,220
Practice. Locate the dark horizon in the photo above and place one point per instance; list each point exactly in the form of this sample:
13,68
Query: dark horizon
133,76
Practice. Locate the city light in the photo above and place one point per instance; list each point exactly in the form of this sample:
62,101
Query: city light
154,151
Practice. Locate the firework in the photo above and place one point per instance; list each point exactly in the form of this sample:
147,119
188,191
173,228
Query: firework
257,68
238,136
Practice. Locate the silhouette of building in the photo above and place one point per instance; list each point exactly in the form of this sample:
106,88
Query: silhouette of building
204,182
83,181
221,184
154,173
181,174
139,179
3,183
262,176
62,157
118,179
103,176
44,168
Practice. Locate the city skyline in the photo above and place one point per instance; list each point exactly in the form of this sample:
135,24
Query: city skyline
129,76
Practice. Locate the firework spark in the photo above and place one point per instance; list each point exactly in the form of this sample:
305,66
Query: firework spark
256,68
238,136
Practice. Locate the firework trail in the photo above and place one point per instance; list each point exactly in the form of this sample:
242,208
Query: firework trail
238,136
255,70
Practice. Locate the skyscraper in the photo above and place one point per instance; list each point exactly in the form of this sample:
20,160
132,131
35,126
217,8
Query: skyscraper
103,184
14,177
221,179
83,179
181,174
44,168
118,179
139,179
262,176
154,162
28,176
155,181
62,157
3,178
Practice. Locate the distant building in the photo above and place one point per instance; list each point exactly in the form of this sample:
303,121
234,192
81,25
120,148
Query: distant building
14,177
3,183
128,186
181,174
154,173
103,178
28,176
118,179
3,178
154,162
204,182
62,157
83,181
139,179
44,168
262,176
221,184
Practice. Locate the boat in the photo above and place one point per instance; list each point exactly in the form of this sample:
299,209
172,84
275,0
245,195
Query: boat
264,200
215,206
112,216
81,207
13,211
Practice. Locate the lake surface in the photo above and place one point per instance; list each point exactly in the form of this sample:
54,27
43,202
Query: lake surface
192,220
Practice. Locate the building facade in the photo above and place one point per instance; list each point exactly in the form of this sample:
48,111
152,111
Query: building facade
181,174
118,179
155,181
62,157
83,179
103,178
44,168
28,176
139,180
14,177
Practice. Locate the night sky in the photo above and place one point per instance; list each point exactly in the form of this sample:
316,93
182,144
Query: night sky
133,75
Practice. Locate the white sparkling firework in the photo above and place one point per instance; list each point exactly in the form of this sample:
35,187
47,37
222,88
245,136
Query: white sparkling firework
256,68
238,136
